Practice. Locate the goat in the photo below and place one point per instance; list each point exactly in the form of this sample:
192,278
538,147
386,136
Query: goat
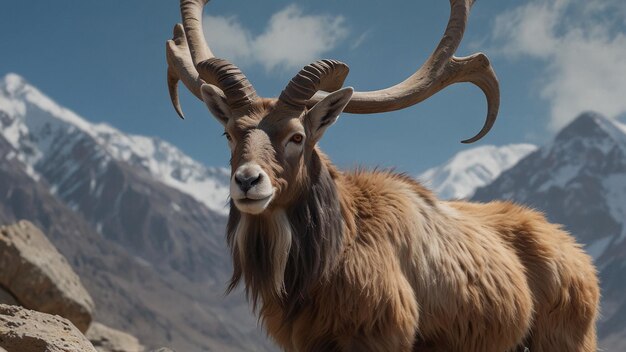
372,260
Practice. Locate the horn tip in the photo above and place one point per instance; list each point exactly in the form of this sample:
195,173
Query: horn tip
178,30
469,141
180,114
484,131
172,87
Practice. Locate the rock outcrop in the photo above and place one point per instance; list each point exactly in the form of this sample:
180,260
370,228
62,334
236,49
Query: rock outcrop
106,339
35,275
25,330
39,277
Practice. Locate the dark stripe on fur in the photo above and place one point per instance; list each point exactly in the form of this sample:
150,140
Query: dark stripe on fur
317,236
317,227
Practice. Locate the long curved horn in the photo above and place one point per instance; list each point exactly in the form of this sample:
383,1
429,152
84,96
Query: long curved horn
440,70
191,60
327,75
180,67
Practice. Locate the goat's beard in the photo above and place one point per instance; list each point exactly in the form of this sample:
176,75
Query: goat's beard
262,245
284,252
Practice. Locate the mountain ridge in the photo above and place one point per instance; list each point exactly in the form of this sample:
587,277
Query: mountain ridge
114,184
160,159
469,169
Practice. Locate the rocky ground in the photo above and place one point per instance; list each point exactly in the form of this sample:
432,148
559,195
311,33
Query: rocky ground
43,304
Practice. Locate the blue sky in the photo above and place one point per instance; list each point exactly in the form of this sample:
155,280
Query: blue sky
105,60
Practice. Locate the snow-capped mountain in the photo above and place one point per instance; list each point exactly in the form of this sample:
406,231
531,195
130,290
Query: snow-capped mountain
579,180
459,177
143,222
32,122
136,191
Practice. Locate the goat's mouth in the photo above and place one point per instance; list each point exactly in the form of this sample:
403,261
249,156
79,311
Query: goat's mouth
253,204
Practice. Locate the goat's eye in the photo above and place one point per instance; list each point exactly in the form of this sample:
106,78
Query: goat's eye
228,137
297,138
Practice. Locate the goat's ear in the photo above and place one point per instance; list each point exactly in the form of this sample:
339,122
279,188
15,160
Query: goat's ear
326,112
216,102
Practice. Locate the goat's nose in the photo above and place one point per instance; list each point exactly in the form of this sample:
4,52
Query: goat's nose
246,180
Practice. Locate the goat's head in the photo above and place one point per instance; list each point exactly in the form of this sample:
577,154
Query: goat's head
272,141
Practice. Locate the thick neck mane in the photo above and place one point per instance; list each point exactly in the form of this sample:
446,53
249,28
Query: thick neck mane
283,255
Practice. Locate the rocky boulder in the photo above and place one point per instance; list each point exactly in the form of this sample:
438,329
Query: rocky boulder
106,339
25,330
39,277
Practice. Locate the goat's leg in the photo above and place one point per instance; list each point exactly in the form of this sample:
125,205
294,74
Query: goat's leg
396,321
564,330
570,324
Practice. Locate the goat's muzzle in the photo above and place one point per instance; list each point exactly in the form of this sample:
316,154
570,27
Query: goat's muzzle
251,189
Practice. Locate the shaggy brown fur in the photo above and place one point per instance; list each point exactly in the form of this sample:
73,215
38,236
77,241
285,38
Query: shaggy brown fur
378,264
373,261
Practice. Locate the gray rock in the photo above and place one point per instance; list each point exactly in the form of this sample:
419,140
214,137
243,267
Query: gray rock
106,339
26,330
39,277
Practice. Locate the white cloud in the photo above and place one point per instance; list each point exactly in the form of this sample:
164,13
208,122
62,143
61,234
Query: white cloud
227,37
290,40
583,46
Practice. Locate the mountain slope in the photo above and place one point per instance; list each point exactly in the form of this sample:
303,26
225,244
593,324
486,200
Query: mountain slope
137,194
129,294
33,122
136,191
579,180
459,177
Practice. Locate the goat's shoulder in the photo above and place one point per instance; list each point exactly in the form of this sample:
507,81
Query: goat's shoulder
384,185
382,201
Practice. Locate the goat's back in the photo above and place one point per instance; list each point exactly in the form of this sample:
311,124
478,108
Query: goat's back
561,276
482,275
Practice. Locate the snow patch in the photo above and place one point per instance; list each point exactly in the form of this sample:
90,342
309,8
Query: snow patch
10,155
561,177
142,262
460,176
36,121
168,165
615,129
12,107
